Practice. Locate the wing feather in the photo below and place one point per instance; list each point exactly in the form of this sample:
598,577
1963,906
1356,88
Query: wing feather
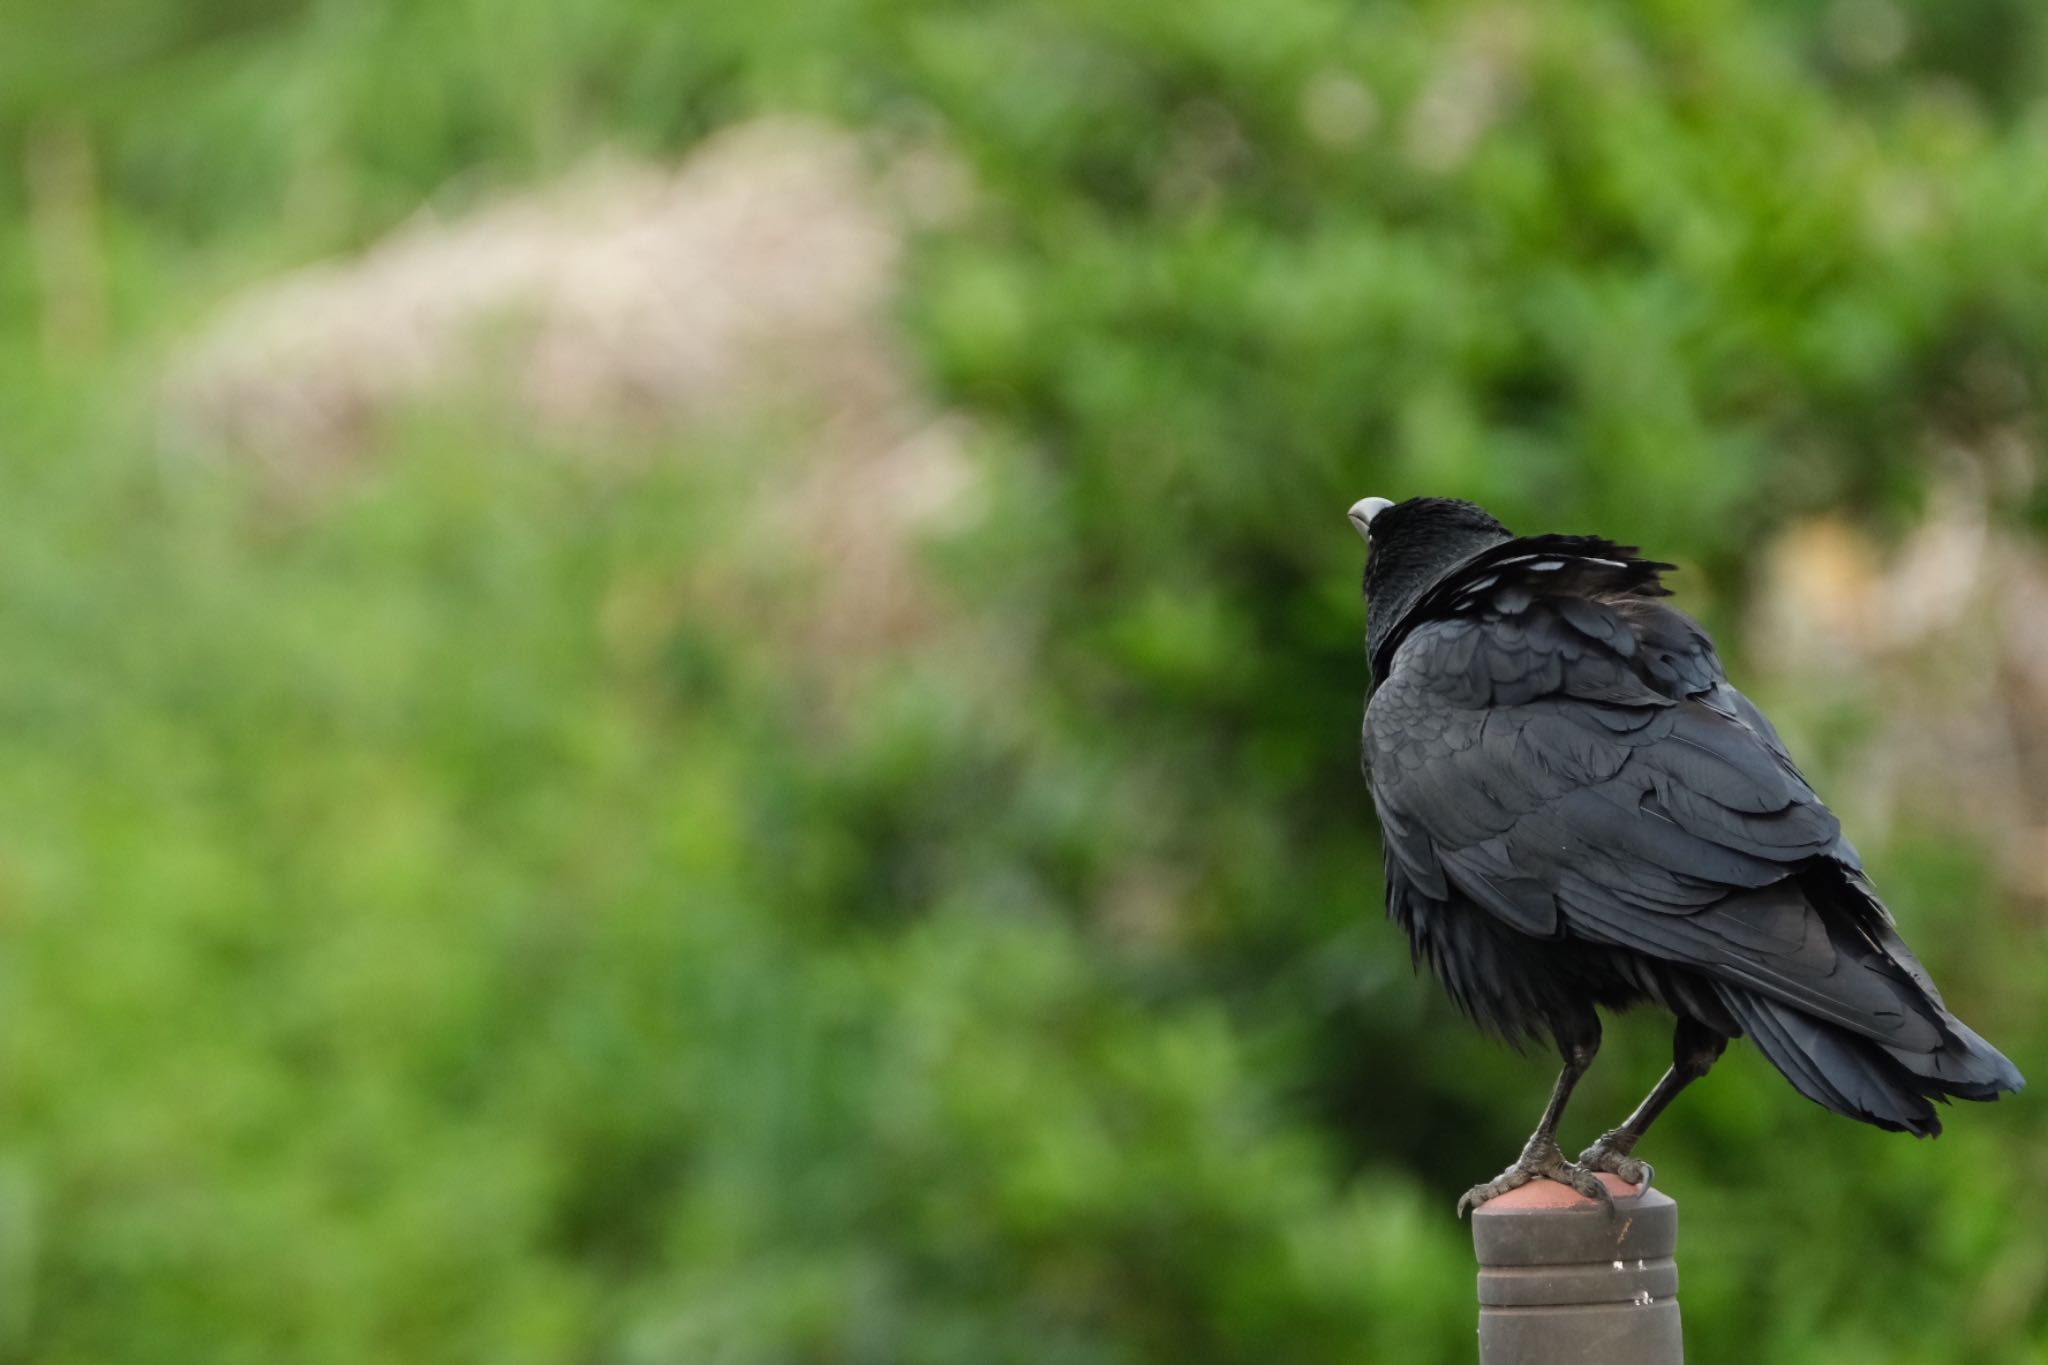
1564,751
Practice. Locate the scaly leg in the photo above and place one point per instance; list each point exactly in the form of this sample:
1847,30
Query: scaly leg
1541,1155
1694,1049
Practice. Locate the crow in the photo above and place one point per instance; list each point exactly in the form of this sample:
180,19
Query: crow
1579,812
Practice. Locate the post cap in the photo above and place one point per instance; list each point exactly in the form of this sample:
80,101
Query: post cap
1562,1279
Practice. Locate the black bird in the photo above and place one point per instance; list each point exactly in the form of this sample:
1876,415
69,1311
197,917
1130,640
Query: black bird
1579,812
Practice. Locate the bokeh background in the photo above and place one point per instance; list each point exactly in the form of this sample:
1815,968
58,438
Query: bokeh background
680,683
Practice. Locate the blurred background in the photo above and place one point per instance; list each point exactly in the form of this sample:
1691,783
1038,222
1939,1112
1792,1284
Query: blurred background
680,684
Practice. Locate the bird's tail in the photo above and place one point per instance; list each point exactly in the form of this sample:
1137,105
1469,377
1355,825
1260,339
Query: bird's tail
1861,1078
1889,1047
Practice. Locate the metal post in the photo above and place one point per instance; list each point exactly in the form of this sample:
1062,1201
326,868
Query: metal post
1561,1282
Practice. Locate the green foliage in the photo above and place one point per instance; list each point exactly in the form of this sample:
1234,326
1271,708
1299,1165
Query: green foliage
461,919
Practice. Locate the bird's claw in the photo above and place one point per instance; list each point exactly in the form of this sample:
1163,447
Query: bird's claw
1539,1159
1611,1156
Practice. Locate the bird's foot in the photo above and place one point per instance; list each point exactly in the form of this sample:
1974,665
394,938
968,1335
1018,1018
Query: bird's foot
1540,1157
1611,1154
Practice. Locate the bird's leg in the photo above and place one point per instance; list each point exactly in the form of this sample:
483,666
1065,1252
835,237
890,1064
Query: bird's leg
1694,1049
1540,1156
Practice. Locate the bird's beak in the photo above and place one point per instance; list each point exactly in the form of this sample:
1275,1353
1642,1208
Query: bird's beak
1364,510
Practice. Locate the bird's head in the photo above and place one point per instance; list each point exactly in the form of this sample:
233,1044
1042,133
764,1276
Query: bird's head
1413,544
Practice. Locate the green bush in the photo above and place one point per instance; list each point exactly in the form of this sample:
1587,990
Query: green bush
431,933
